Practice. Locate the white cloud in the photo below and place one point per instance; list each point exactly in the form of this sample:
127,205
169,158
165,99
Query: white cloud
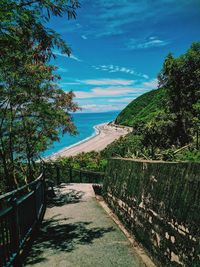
152,41
84,37
121,100
117,96
78,25
145,76
57,53
118,91
113,69
69,83
101,107
152,84
108,82
105,92
75,58
153,37
63,70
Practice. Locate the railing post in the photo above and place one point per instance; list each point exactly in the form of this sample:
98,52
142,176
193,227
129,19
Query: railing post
70,175
102,178
58,174
15,230
42,204
44,187
36,202
80,176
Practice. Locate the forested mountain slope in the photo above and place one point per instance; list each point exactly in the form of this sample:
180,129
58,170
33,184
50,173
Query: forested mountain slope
143,108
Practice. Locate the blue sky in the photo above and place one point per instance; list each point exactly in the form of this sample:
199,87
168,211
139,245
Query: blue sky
119,47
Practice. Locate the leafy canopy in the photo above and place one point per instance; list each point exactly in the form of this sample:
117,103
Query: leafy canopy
33,109
167,118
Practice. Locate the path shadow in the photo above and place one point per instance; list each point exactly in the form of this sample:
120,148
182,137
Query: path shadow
58,235
62,198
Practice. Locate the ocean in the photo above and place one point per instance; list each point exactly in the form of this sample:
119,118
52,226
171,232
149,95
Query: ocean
85,123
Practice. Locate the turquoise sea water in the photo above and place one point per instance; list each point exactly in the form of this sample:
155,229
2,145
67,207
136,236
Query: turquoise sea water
85,123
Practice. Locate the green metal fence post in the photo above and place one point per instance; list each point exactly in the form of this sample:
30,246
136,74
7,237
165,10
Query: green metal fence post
35,203
70,175
44,187
58,174
15,231
89,175
80,176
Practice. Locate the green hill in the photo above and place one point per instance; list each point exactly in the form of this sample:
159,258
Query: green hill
143,108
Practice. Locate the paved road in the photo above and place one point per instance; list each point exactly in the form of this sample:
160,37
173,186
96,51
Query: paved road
77,232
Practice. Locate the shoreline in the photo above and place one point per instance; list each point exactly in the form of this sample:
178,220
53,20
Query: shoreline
104,134
93,135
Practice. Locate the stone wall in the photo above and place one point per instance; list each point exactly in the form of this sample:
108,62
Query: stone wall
160,204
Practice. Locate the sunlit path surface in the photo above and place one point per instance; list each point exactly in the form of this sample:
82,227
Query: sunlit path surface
77,232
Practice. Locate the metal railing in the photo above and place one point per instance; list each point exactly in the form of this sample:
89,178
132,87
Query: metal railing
20,211
63,174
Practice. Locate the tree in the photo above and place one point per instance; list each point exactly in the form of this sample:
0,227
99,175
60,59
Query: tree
34,110
196,122
157,133
181,78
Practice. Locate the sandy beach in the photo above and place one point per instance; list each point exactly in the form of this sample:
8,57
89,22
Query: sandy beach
105,134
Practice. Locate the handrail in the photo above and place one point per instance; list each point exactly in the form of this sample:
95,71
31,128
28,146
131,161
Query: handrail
6,195
22,209
19,216
73,169
61,173
88,171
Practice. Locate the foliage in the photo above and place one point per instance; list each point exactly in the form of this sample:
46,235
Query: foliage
128,146
85,161
33,109
157,132
181,78
190,154
168,118
196,122
142,109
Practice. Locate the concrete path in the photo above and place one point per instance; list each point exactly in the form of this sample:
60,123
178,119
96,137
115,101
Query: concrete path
77,232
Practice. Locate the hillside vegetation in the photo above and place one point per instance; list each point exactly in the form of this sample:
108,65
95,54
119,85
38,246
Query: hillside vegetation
143,108
166,121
